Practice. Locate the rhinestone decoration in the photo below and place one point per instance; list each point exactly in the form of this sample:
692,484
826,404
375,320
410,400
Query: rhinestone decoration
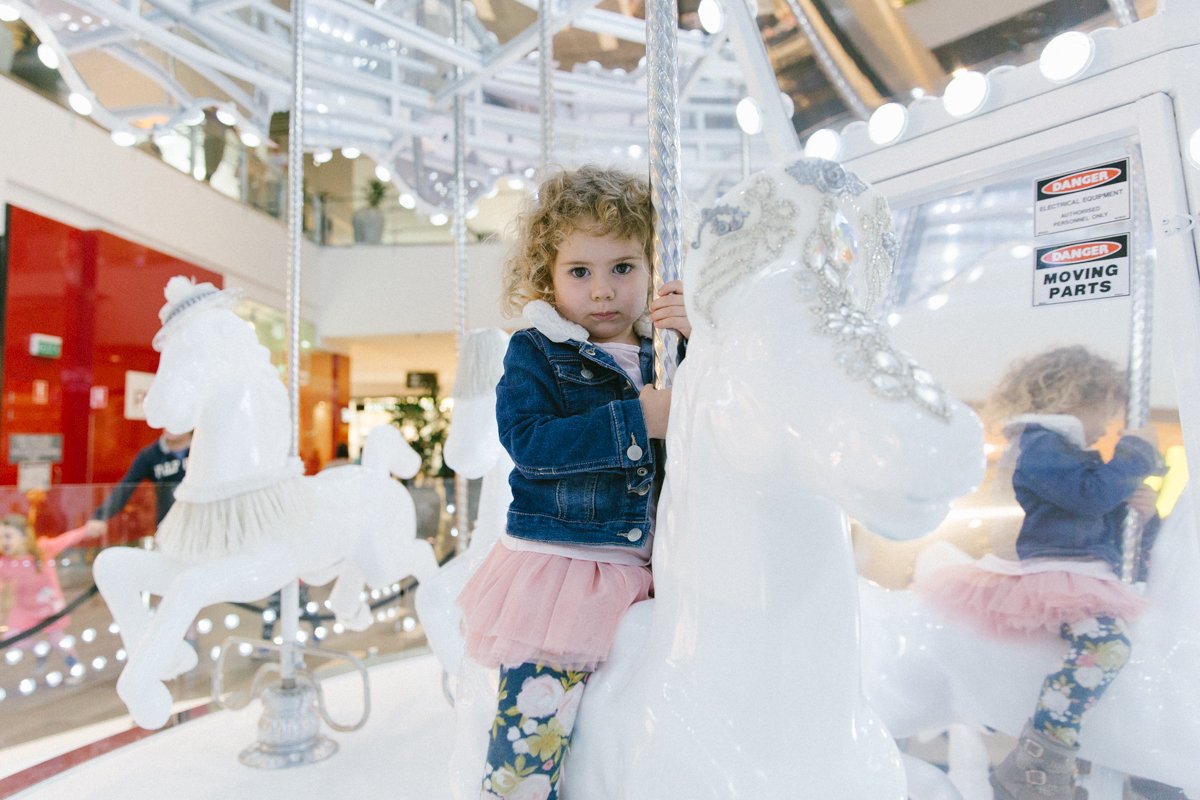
724,220
742,250
829,177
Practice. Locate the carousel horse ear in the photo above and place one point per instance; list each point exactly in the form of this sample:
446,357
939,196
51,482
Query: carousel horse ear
385,450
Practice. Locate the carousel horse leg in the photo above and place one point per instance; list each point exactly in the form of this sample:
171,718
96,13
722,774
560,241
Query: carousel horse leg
967,758
241,577
346,598
122,574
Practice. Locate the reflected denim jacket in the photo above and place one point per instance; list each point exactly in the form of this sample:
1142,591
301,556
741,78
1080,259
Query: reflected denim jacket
572,423
1074,501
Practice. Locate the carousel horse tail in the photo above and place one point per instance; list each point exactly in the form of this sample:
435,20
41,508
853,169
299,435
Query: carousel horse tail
386,451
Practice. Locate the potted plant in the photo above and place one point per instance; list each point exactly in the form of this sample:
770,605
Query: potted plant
368,221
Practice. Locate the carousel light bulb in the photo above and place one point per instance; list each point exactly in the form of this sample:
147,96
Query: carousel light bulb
13,657
312,607
1067,56
351,152
53,679
27,686
438,219
269,615
245,649
383,173
121,654
250,139
409,623
1194,147
99,663
339,628
226,117
824,143
123,138
965,93
450,508
9,13
47,56
712,16
322,156
749,116
80,104
232,621
41,649
66,642
319,632
3,695
114,628
887,123
406,200
77,670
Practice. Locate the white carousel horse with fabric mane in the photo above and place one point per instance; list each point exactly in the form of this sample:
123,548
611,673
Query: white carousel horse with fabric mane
926,673
740,679
246,521
472,450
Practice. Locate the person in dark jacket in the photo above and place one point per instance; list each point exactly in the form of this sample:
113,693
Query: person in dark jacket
163,462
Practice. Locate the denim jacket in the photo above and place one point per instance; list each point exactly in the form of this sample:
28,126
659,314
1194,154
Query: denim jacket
1074,502
585,470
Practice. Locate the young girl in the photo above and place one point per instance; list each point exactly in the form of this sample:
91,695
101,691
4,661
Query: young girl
1069,548
28,567
577,412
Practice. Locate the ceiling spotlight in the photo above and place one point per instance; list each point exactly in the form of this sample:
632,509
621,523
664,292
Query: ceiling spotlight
824,143
749,116
123,138
406,200
438,219
887,123
226,117
322,156
712,16
1067,56
965,93
80,104
383,173
9,13
351,152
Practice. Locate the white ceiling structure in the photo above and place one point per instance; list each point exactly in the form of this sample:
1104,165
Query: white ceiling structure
382,77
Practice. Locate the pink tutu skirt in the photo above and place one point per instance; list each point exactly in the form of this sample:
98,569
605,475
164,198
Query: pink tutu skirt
1012,605
523,607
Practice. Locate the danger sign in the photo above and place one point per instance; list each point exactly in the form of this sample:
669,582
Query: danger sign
1087,270
1080,199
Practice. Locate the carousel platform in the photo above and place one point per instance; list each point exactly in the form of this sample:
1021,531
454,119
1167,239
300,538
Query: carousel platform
401,752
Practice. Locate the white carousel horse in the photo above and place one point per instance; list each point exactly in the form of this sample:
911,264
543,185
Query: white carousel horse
472,450
246,521
741,678
926,673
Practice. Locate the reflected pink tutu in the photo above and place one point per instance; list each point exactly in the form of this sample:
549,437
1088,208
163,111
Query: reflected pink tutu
1009,605
523,607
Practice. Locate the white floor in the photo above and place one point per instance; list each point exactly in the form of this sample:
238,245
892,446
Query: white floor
401,753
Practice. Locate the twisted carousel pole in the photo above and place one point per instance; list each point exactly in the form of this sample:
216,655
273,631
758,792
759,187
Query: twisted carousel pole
546,77
1124,11
289,731
462,519
662,70
1137,406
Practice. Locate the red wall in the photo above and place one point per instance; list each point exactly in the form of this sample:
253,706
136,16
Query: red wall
101,294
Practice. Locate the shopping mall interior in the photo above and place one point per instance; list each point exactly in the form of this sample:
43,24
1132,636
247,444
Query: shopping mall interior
354,196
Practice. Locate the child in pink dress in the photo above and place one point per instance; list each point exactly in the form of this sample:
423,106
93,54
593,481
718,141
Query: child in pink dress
580,418
27,566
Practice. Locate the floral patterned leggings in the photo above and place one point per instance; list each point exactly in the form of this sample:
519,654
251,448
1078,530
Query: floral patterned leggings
1099,649
531,732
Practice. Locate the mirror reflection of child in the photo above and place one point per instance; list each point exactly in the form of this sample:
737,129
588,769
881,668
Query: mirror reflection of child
1067,580
28,569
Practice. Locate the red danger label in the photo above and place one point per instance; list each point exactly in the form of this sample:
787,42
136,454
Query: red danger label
1087,179
1085,251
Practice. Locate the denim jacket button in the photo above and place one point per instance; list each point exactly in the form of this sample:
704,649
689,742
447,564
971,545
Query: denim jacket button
587,373
634,534
642,470
634,452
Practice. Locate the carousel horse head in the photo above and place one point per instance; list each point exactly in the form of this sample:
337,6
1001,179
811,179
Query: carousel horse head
783,279
473,444
204,346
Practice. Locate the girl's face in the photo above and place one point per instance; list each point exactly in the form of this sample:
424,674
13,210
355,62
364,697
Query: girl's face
1095,421
12,541
601,283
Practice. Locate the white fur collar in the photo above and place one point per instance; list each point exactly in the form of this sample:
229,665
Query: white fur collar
1065,425
557,328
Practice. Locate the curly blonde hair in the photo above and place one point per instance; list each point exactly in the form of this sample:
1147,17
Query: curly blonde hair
596,200
1058,380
